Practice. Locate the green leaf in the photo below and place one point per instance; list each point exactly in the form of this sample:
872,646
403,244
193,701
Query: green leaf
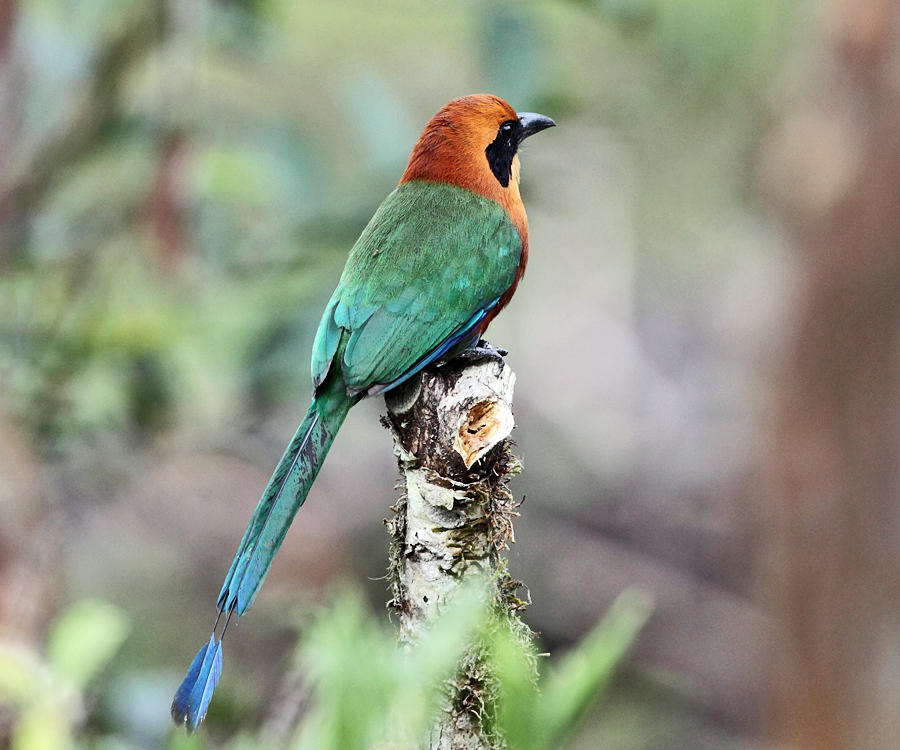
19,670
85,638
517,715
42,726
589,667
533,719
436,656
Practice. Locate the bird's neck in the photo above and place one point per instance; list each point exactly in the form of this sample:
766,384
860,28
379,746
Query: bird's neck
437,158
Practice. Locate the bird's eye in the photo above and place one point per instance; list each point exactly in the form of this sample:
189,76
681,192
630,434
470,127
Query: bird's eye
502,150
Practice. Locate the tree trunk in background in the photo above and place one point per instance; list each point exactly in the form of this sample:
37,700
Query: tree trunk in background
833,457
450,427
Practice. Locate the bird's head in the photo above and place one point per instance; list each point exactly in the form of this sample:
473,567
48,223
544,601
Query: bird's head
473,142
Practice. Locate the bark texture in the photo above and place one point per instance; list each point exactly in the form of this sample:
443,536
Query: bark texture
451,426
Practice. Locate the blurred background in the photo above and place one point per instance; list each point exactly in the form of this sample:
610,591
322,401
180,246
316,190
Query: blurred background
705,342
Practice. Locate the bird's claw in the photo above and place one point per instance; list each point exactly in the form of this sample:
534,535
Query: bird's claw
483,350
484,346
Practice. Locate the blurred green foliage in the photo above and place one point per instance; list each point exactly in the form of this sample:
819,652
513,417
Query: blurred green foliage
545,715
371,695
365,691
47,693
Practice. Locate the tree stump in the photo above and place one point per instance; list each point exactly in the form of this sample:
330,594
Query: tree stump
451,427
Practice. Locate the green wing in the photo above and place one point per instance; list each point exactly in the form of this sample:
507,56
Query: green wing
432,260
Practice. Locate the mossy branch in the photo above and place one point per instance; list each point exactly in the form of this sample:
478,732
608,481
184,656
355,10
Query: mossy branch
451,428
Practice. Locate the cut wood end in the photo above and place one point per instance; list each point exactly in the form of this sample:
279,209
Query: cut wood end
485,425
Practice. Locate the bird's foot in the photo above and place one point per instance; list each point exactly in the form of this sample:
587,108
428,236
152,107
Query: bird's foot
484,346
483,350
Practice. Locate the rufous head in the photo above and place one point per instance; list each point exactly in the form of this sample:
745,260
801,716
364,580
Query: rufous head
472,142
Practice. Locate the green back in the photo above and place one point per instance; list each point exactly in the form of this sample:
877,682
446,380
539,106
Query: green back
431,258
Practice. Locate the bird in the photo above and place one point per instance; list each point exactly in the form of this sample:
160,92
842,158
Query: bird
440,258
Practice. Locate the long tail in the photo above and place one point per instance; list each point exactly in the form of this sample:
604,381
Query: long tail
283,496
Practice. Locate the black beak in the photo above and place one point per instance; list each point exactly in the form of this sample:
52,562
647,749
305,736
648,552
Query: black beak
532,123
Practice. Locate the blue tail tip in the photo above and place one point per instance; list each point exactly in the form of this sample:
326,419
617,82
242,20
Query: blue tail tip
195,693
